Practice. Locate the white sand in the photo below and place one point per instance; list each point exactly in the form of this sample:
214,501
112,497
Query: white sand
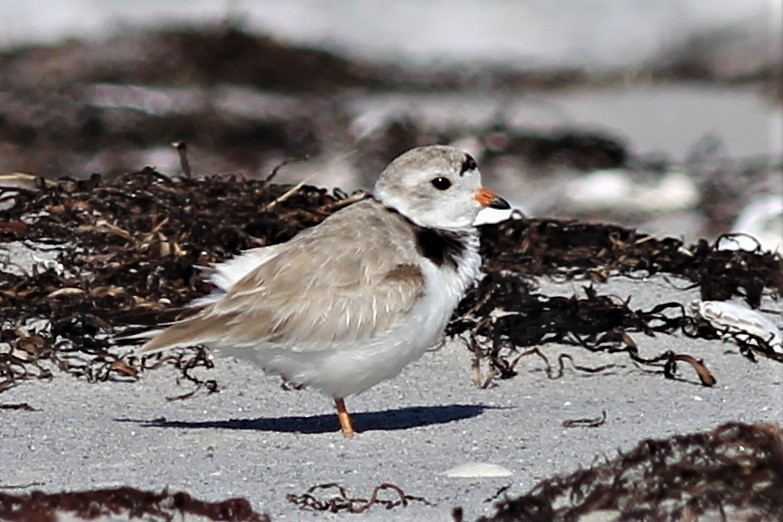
254,440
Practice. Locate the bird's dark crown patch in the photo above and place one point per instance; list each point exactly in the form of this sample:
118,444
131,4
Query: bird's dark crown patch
468,164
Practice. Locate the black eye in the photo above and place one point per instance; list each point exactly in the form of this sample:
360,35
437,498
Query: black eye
441,183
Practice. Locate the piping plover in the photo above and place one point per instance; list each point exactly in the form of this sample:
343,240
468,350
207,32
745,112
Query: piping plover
350,302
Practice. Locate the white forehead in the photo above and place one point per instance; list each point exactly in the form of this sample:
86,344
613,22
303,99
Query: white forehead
426,162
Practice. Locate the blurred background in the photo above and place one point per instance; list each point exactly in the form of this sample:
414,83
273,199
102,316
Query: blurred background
661,114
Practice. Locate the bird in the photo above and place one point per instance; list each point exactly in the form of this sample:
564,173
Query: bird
350,302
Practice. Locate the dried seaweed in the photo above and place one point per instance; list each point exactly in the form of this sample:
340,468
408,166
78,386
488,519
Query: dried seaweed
128,255
732,473
341,501
499,325
501,314
122,503
596,251
126,252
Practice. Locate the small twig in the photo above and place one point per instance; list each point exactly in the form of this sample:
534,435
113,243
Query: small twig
184,163
650,237
26,176
18,406
340,203
290,192
22,486
285,162
330,207
497,494
586,422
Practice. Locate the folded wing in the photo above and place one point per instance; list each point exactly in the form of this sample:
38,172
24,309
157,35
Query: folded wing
333,285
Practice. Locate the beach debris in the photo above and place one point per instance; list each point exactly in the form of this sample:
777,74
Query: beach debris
734,472
762,221
122,503
478,470
341,501
593,422
736,319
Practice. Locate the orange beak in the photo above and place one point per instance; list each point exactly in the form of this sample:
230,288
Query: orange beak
487,198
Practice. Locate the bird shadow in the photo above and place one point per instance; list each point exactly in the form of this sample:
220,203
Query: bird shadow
387,420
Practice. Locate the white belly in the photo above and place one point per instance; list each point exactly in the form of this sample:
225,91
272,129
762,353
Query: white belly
351,369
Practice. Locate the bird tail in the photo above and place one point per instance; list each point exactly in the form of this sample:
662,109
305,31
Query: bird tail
189,332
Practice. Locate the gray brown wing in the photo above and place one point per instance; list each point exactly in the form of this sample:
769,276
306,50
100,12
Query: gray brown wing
345,281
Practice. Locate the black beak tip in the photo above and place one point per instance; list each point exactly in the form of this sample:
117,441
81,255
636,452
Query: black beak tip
499,203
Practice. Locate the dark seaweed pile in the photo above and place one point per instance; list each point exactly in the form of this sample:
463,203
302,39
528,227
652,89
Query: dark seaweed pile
516,250
732,473
130,248
122,503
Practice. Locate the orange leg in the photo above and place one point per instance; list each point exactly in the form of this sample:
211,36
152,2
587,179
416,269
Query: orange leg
345,419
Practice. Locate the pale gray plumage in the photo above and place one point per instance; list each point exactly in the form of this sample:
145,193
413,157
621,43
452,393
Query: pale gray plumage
350,302
311,293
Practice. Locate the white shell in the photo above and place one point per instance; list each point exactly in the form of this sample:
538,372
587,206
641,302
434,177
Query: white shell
478,470
762,219
739,319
